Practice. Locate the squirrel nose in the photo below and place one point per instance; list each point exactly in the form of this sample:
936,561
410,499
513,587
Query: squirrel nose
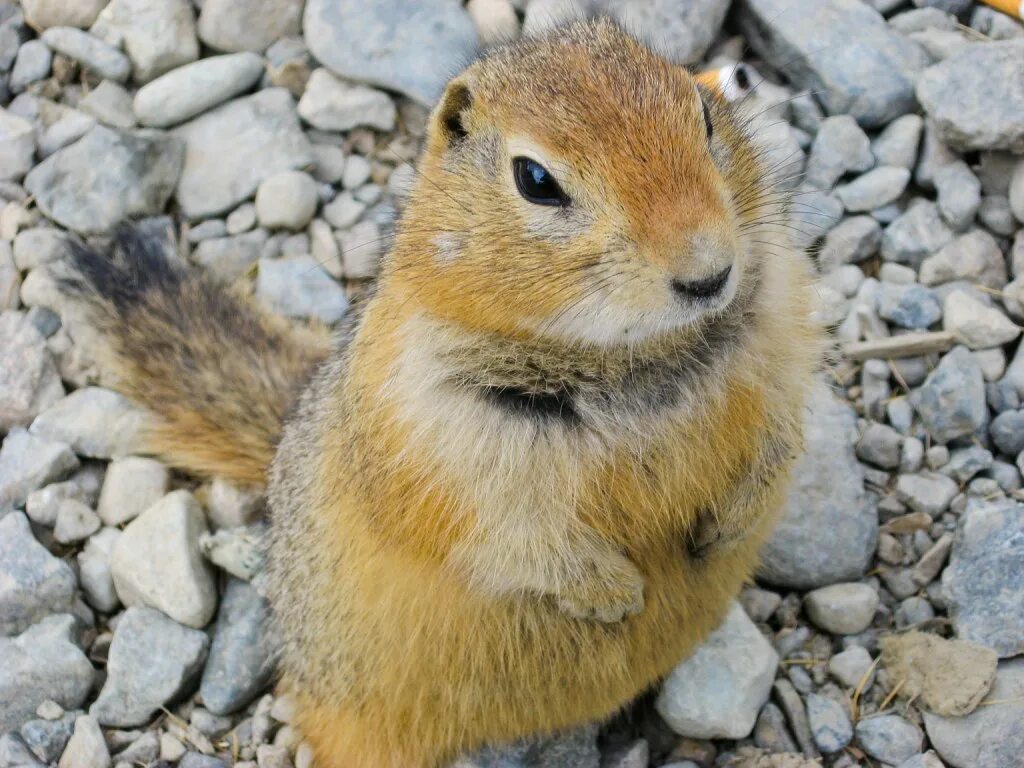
707,288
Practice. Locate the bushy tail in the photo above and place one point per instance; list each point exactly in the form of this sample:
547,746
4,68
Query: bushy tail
219,373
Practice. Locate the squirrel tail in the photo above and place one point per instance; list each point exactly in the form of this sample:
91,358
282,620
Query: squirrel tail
217,372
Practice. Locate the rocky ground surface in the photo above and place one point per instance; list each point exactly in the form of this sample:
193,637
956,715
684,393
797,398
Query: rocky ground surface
270,141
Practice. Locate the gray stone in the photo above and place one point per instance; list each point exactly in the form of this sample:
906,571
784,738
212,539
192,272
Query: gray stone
827,493
243,654
243,218
855,239
248,25
959,194
75,522
916,234
60,13
91,52
880,445
874,189
132,485
47,738
152,661
42,505
331,104
975,97
157,561
889,738
43,663
974,256
718,691
920,19
33,64
852,666
86,749
965,463
95,422
195,88
909,306
897,144
29,381
94,570
14,753
842,609
224,163
927,492
974,325
33,583
287,200
228,258
39,245
995,214
829,723
386,43
820,45
136,178
111,104
990,736
157,35
575,749
28,462
144,750
10,280
1007,432
839,147
985,577
816,216
361,250
17,146
1015,192
343,211
951,402
299,287
681,30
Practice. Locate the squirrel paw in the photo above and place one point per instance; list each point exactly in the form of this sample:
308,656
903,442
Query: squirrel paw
609,597
712,536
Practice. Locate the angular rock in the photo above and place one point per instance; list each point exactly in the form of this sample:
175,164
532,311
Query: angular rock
158,35
28,462
96,422
991,736
75,522
927,492
874,189
915,235
243,654
951,402
718,691
111,104
228,258
820,44
86,749
889,738
897,144
230,150
47,738
43,663
94,570
299,287
852,666
17,146
974,325
132,485
985,577
959,194
194,88
950,677
975,99
681,30
829,723
331,104
91,52
385,43
909,306
248,25
827,493
29,381
152,662
33,583
974,256
855,239
157,561
136,178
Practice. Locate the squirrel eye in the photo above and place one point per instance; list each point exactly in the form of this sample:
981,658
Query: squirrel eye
536,184
707,119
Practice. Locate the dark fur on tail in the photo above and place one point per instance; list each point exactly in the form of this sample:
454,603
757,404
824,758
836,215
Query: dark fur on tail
219,373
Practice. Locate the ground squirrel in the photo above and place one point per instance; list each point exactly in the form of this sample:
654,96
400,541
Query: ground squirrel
534,467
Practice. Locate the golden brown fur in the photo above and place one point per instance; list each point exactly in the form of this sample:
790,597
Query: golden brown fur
531,479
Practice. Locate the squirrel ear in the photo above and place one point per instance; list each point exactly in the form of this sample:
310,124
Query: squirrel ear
450,115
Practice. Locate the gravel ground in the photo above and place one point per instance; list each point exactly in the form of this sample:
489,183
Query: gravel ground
270,141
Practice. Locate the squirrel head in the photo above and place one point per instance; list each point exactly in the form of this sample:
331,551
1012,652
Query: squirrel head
583,188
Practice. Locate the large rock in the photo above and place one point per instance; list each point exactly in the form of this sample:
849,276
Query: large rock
681,30
248,25
244,650
230,150
29,381
827,494
28,462
33,583
386,42
718,691
842,50
43,663
984,580
135,179
152,662
991,736
158,35
96,422
331,104
976,97
157,561
191,90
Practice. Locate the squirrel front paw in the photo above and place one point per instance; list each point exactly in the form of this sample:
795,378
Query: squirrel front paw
609,593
